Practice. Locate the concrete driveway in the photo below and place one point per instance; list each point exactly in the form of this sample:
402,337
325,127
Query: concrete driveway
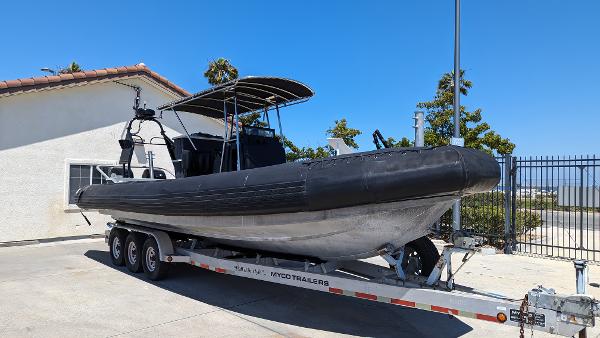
70,289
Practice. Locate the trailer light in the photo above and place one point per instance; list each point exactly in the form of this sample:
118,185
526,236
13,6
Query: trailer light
169,259
501,317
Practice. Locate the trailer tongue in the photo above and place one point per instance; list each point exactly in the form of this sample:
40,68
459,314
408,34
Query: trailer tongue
541,309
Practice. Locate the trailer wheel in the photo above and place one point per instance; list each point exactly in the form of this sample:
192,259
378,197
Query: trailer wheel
420,257
116,246
133,252
154,268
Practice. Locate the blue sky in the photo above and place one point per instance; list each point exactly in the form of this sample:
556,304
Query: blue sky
535,64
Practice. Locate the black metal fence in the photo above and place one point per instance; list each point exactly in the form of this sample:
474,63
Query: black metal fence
560,196
546,205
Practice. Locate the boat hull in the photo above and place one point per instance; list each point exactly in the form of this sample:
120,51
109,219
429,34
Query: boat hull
337,234
342,207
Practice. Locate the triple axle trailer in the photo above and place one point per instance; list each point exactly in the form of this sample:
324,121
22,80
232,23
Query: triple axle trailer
153,251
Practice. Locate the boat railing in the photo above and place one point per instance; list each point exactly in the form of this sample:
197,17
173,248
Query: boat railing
121,179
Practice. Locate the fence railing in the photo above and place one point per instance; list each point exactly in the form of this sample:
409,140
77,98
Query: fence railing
544,205
561,195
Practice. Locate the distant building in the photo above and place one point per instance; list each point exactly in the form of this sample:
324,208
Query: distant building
55,130
578,196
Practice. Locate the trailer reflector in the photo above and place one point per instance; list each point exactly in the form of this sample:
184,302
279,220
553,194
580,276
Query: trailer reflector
403,302
444,310
501,316
365,296
488,318
336,291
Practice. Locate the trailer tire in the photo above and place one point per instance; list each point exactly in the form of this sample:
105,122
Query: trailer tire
133,251
116,246
420,257
154,268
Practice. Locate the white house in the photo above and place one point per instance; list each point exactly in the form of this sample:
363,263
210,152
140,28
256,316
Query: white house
54,130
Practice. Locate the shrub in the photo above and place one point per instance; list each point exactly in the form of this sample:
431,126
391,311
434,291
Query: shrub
483,214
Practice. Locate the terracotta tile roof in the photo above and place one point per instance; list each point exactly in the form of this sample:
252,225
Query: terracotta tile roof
35,83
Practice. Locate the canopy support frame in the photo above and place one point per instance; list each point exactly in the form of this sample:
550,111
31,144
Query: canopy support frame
279,122
225,135
184,129
266,116
237,132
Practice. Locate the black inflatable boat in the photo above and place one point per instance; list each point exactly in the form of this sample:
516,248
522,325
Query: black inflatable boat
237,189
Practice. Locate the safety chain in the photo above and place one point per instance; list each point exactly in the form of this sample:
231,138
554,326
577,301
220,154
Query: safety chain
523,312
535,307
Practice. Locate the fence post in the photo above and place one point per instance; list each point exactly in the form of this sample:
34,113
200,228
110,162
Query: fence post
513,199
581,207
507,201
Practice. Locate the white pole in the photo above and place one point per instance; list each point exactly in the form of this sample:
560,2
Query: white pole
419,129
151,163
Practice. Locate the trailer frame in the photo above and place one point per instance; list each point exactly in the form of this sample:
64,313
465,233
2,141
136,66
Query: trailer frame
546,311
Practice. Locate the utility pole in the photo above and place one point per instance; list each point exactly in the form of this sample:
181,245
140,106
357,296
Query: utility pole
456,140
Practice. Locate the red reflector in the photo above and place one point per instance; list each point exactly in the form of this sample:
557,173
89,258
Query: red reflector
439,309
204,266
192,262
486,317
336,291
219,270
403,302
444,310
365,296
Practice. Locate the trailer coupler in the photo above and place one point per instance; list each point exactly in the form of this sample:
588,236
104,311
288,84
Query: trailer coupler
573,309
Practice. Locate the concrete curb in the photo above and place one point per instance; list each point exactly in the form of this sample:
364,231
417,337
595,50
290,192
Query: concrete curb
48,240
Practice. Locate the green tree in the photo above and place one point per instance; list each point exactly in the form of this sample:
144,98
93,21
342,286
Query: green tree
403,143
341,130
220,71
440,114
253,119
295,153
73,67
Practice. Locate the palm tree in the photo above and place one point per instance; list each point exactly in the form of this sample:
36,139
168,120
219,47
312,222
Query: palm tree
72,68
446,83
220,71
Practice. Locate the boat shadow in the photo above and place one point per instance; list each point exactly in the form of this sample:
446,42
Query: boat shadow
299,307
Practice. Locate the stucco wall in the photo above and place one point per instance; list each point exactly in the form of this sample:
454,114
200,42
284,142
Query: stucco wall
41,132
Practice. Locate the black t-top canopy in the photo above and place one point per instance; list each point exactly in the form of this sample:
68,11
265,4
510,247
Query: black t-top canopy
251,94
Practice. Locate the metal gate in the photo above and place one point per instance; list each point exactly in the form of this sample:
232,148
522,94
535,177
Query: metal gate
544,205
556,206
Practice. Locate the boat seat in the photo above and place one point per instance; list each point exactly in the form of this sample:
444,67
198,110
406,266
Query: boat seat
158,174
127,147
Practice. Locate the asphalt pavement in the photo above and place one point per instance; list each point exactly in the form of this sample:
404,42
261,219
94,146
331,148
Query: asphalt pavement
70,289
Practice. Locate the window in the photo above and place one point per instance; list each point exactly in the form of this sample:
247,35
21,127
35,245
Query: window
81,175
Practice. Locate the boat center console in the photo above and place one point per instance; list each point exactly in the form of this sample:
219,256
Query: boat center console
202,154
